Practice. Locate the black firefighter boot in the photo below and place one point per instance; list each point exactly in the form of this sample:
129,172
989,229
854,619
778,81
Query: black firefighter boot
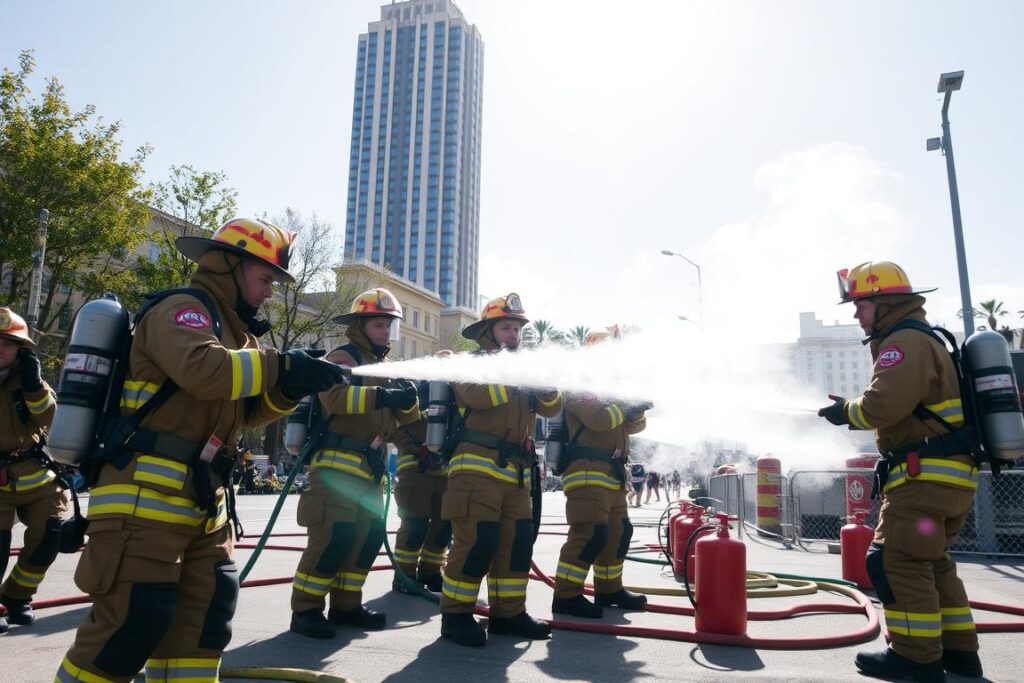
521,624
311,623
360,617
891,665
18,611
577,606
464,629
962,663
431,581
621,598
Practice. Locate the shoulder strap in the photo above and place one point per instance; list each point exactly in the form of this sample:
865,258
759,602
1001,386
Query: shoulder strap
153,298
352,350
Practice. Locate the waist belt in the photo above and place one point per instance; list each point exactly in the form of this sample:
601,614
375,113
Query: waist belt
942,446
506,449
585,453
165,445
374,456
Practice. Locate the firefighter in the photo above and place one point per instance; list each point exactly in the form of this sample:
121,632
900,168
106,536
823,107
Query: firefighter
422,536
593,468
488,497
928,489
158,566
27,487
343,508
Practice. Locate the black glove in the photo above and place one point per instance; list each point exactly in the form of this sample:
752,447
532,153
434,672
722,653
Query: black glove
835,413
300,372
632,411
29,370
402,397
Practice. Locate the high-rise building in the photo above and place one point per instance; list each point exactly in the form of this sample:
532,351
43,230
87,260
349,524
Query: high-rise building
414,166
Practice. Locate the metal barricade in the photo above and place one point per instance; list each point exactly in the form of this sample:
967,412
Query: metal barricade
820,502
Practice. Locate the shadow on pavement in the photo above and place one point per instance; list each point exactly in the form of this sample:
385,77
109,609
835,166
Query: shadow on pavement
457,661
718,658
605,658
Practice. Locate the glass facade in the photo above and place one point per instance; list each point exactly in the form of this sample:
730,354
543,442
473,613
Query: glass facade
414,165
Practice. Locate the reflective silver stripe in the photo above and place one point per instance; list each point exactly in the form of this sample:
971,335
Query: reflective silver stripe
463,591
247,374
571,572
136,397
25,483
159,470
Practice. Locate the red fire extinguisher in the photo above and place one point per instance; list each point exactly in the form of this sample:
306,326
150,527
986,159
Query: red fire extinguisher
721,583
681,528
854,541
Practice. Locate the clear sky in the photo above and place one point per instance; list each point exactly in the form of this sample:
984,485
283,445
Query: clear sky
772,143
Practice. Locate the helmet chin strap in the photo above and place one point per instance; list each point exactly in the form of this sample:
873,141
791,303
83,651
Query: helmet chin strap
246,311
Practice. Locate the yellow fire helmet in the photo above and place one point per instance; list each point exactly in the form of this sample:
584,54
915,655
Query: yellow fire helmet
598,336
508,307
874,278
373,303
13,327
246,237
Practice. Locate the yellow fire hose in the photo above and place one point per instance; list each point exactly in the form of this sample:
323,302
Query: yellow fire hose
261,673
759,585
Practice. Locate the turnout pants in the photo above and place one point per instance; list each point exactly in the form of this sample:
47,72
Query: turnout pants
41,510
926,607
492,536
599,535
344,515
163,596
422,536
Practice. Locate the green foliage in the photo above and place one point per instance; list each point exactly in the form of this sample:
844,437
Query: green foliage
577,334
68,162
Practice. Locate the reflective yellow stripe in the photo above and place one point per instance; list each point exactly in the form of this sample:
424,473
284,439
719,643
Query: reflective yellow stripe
607,572
131,500
951,411
160,471
427,557
40,406
246,373
506,588
314,585
349,463
23,577
499,394
407,462
403,556
71,673
616,415
914,624
938,470
957,619
468,462
184,670
29,481
349,581
221,518
460,591
280,410
355,400
572,572
583,478
135,393
855,413
552,402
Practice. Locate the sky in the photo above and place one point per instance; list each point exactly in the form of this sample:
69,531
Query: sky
770,143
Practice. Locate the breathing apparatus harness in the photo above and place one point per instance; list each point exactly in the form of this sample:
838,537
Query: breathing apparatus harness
962,440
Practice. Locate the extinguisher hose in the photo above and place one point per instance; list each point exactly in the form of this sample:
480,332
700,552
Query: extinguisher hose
686,563
299,462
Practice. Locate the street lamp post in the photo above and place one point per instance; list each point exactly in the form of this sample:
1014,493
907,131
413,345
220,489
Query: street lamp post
700,285
949,82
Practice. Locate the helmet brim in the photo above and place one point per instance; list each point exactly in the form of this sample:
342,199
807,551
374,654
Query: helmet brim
878,294
193,249
23,341
473,331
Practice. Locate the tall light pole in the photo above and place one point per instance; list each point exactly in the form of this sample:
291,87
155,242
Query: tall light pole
948,83
700,285
36,282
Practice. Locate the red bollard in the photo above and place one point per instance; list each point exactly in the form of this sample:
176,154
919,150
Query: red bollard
769,494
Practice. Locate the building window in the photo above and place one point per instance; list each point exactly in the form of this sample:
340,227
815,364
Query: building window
413,348
416,319
426,323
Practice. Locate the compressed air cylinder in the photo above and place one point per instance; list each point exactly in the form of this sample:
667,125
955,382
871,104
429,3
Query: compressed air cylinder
296,430
997,397
553,441
100,328
769,494
438,414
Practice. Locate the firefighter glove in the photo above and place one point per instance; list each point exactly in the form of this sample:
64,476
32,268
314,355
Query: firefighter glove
401,398
835,413
634,411
302,372
29,370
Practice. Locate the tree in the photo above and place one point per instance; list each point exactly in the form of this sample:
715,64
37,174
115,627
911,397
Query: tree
55,158
539,331
578,334
189,202
990,310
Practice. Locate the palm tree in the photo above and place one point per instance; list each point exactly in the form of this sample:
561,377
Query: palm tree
544,330
578,334
990,309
